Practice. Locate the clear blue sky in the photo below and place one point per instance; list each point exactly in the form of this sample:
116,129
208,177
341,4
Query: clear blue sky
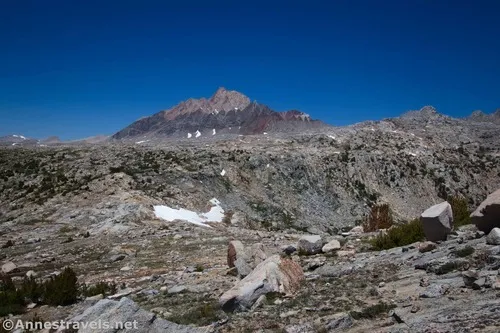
79,68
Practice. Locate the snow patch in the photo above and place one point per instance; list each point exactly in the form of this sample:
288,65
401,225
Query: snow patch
189,135
223,172
19,136
265,133
197,134
213,132
331,137
215,214
139,142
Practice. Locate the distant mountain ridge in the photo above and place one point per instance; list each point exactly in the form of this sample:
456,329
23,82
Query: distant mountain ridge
225,112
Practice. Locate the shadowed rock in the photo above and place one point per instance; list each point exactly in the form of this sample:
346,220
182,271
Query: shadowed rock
487,215
437,221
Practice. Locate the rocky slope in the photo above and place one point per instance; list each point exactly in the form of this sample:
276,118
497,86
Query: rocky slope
92,207
226,112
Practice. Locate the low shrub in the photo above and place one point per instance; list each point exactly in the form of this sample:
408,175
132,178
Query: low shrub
380,218
399,235
372,311
201,315
464,252
61,289
461,212
58,290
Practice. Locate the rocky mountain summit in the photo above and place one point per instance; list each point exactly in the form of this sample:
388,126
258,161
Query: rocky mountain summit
226,112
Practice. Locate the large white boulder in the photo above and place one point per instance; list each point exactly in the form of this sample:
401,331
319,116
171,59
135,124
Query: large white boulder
487,215
275,274
437,221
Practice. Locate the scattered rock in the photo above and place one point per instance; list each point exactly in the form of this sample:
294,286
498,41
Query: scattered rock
331,246
347,253
288,249
435,291
31,274
177,289
470,277
300,328
357,230
437,221
310,244
339,322
116,257
487,215
427,246
479,283
275,274
9,267
493,237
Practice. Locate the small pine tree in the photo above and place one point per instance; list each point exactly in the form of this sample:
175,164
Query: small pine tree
62,289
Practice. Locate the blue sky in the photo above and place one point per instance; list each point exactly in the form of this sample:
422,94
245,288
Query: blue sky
80,68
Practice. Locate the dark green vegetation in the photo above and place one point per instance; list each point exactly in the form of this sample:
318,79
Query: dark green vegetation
461,212
399,235
62,289
373,311
464,252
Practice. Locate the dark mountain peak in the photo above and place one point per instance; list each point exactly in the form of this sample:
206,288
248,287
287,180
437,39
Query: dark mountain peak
224,112
497,113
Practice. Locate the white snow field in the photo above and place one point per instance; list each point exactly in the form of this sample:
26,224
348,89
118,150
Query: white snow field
215,214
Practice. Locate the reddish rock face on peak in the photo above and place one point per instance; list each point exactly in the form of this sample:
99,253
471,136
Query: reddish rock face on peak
225,112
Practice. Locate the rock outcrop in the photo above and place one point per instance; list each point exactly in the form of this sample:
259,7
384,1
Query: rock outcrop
437,221
487,215
275,274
